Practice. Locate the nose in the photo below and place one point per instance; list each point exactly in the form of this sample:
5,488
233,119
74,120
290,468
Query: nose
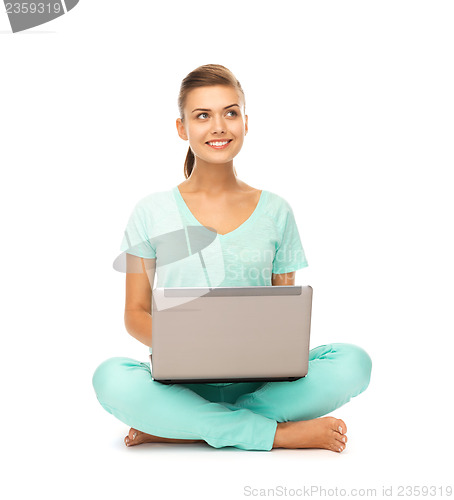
218,125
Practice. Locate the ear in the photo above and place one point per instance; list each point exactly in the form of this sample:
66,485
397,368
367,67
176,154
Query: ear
245,125
181,130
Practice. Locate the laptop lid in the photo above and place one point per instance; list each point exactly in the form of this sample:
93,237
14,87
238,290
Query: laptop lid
230,334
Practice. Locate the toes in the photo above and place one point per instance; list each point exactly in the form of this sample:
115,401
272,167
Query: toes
129,439
339,426
343,426
340,438
337,446
339,441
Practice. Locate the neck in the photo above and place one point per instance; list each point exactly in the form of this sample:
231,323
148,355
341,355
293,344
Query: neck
212,178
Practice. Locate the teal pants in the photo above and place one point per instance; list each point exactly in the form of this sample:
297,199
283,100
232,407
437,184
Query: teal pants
243,414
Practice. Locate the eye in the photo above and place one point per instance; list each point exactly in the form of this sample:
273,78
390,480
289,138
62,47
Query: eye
234,112
199,115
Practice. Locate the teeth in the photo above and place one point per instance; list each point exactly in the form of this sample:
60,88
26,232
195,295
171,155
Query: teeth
218,143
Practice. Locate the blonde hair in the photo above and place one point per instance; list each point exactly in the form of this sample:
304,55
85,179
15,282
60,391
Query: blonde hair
204,76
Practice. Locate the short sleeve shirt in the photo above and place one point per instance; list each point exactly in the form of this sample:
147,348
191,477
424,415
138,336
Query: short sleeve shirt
188,254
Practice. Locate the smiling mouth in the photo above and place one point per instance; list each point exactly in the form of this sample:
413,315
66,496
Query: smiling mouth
218,144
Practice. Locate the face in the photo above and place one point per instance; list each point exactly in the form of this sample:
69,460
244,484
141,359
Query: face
213,114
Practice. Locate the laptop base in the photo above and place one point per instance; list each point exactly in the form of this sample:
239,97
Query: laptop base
214,381
223,380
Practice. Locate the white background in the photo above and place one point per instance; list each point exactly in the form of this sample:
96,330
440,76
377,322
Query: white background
350,107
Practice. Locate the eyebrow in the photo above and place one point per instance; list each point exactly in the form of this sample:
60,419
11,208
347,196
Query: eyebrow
204,109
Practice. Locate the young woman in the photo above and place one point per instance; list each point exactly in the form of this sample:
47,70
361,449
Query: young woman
257,243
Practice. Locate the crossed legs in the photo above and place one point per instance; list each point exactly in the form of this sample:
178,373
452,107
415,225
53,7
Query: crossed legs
276,414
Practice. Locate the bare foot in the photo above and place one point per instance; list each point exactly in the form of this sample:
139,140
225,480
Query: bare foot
326,432
138,437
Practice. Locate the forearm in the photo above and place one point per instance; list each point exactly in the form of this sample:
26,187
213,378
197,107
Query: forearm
138,325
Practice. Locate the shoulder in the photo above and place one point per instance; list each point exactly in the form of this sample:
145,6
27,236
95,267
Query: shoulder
151,207
277,203
155,196
278,211
154,200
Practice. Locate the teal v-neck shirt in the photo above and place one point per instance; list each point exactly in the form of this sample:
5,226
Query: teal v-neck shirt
187,254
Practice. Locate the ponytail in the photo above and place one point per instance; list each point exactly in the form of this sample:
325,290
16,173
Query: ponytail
189,163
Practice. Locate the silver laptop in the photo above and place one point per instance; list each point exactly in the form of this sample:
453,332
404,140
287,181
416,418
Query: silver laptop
230,334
